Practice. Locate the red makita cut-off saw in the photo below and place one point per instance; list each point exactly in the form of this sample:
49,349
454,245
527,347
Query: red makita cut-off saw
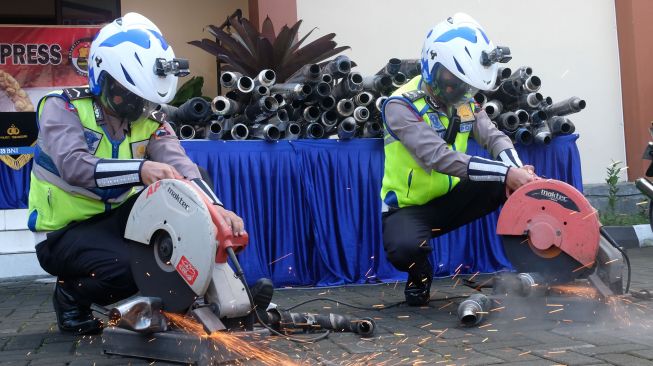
549,227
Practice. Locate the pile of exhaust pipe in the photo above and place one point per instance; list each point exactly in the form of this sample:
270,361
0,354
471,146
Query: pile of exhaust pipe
517,108
332,101
318,101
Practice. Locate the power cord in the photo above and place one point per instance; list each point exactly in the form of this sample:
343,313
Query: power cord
239,273
343,303
376,308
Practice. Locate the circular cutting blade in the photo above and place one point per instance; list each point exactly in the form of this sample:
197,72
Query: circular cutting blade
155,276
556,266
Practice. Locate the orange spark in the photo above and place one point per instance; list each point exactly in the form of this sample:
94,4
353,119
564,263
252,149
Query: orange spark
483,284
280,258
582,291
475,274
445,305
231,341
593,213
584,266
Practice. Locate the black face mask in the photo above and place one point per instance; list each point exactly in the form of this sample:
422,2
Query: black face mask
447,88
121,101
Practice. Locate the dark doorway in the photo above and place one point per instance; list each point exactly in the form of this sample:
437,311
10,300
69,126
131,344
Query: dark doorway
61,12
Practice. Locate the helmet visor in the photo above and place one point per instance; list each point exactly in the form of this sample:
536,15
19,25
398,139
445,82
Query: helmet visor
123,102
448,88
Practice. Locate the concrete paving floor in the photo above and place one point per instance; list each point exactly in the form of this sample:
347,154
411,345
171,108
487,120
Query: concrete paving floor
573,330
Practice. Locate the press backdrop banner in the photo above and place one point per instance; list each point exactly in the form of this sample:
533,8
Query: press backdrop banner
35,60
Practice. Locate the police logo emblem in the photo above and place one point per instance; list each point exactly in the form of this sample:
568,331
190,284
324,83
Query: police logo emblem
139,149
435,122
92,139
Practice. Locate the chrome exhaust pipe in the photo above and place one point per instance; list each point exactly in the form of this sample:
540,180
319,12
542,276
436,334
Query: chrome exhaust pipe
347,128
140,314
266,77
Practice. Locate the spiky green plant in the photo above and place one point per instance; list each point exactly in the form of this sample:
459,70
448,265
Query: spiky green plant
242,48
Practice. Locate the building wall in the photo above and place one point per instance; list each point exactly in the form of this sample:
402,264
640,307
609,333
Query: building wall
184,21
571,45
280,12
636,51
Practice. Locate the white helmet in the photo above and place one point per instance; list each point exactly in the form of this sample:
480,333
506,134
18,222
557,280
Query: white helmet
127,49
457,45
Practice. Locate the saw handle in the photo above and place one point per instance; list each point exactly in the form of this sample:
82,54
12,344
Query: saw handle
530,169
225,236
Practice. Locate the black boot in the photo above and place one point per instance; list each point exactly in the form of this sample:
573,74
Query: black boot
418,287
262,292
72,317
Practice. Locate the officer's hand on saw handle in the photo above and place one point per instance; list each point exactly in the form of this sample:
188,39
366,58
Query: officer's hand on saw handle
233,220
517,177
152,171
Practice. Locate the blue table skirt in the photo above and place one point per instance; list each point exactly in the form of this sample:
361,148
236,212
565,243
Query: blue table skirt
313,212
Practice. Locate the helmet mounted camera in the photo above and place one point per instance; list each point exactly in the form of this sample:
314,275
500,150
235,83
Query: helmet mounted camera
177,67
500,54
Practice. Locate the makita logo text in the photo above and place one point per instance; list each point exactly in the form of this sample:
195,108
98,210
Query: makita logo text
178,198
554,196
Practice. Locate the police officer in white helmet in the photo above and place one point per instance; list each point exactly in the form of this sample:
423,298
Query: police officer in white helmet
431,186
97,144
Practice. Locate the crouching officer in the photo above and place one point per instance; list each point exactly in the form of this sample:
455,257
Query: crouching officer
96,145
430,185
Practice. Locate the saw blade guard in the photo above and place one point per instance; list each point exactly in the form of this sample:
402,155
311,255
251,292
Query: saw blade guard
554,217
173,208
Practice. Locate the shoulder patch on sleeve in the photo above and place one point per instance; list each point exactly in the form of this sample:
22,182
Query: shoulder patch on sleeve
163,131
77,93
414,95
158,116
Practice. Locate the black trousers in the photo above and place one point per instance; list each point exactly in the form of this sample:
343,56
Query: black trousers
91,257
406,231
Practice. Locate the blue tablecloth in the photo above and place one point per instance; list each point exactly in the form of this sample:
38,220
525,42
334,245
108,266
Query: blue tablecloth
313,211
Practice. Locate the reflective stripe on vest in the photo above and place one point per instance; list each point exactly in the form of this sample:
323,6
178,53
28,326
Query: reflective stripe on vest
53,203
405,182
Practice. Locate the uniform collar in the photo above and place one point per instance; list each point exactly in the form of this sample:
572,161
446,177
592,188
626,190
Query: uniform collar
102,116
440,109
